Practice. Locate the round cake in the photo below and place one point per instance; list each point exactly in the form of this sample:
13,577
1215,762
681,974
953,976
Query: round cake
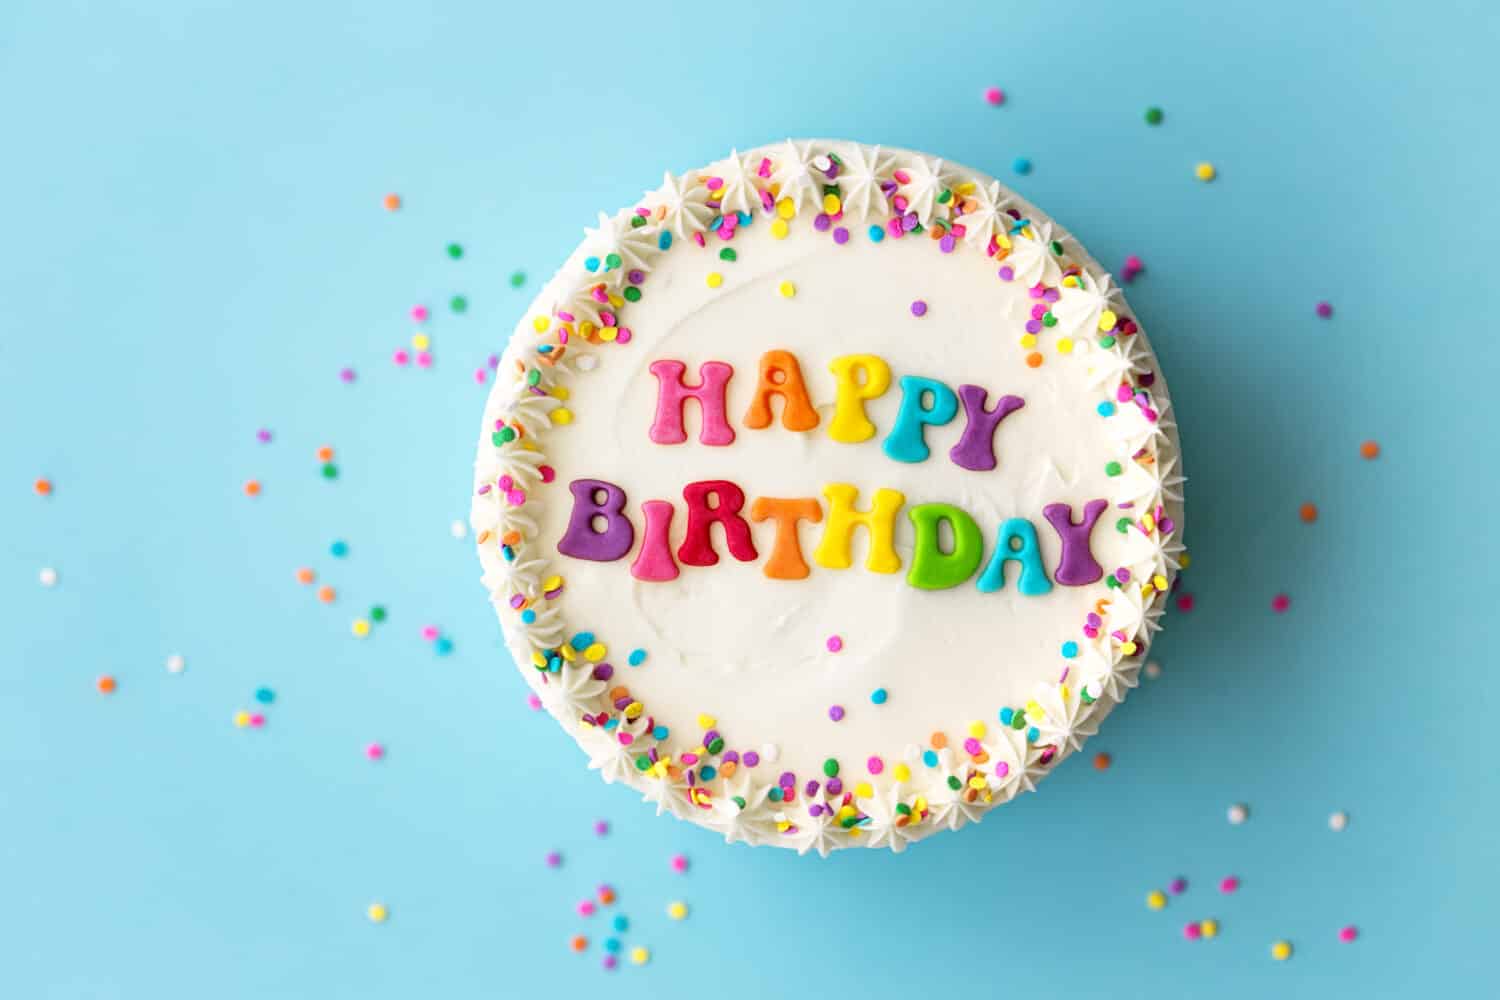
829,496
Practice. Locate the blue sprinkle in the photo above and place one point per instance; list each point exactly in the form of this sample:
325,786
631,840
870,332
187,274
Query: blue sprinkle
876,234
1106,409
743,218
715,223
664,241
1070,649
265,695
1032,734
611,722
660,733
774,794
544,348
339,549
508,552
1006,715
582,641
708,772
611,945
592,263
636,657
621,923
878,696
1021,165
930,758
443,646
528,616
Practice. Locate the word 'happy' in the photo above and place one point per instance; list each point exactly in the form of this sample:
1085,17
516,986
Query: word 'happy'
599,530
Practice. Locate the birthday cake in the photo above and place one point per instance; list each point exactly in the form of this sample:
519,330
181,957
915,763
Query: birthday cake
829,496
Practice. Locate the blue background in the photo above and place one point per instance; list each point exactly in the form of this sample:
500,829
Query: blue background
194,246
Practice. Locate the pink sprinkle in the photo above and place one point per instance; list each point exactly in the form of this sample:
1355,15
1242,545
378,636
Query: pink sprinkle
429,632
1184,603
533,702
1280,603
400,357
1324,310
679,863
1177,886
257,720
547,472
1229,884
424,359
263,436
994,95
480,375
586,908
875,765
346,374
601,828
375,751
611,962
419,313
554,859
1348,934
835,643
1192,931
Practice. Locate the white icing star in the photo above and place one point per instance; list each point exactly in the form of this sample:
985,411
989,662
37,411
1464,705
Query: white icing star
1078,310
926,180
885,828
795,176
1107,676
737,192
683,202
1031,257
859,182
988,217
1064,721
634,245
571,692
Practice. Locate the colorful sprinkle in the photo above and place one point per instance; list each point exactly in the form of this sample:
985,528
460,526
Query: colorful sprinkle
391,202
640,956
1348,934
1369,450
1308,512
1154,115
1238,813
1281,950
879,696
994,96
836,712
1156,899
377,913
1021,165
919,308
1205,172
1324,310
835,643
1338,821
677,910
1229,883
106,684
1102,761
1280,603
679,863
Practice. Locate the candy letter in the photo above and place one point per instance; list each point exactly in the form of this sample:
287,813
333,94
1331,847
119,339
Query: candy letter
672,395
785,561
697,548
1076,566
654,561
594,498
905,442
780,375
835,550
859,377
931,567
976,449
1033,579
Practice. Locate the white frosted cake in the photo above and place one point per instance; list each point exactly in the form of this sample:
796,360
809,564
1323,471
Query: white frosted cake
828,496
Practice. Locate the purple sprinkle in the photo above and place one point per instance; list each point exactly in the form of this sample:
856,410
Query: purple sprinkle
811,789
1324,310
347,374
841,236
815,810
603,672
263,436
835,786
730,757
787,780
909,221
821,222
1007,273
750,758
1033,326
947,243
635,276
836,712
494,361
919,308
710,736
1051,295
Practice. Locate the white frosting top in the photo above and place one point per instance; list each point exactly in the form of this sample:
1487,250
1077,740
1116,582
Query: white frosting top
727,719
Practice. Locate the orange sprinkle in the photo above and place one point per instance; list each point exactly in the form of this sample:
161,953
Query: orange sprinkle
606,896
1370,449
615,694
43,487
392,202
1033,360
326,594
484,536
727,769
938,741
510,538
580,942
1308,512
252,487
305,575
325,454
1102,761
105,684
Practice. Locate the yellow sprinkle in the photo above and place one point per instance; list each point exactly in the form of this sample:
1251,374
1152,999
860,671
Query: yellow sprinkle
421,342
1281,951
1065,345
1159,582
562,415
978,783
1156,899
831,203
1210,928
540,324
787,289
634,710
609,333
559,392
595,652
360,628
976,730
779,228
1205,171
586,329
863,790
901,772
1034,708
1107,320
785,208
1128,648
715,279
552,583
615,301
677,910
242,719
1028,340
640,956
377,913
1184,560
965,189
706,721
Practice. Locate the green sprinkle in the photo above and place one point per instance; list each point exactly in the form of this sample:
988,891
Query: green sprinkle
517,279
377,613
831,767
717,746
330,471
1113,469
612,261
1048,319
1122,525
954,783
455,251
945,197
637,221
632,294
1057,247
739,800
533,376
1154,116
458,303
728,254
642,763
1106,342
774,794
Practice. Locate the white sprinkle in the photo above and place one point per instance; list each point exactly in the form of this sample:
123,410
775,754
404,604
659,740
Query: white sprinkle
586,362
175,663
1238,813
1153,669
48,577
458,529
770,753
1338,821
